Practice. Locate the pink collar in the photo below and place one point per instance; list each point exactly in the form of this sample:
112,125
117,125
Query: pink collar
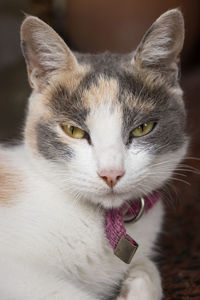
123,245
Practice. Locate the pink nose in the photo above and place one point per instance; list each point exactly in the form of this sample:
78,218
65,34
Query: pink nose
111,177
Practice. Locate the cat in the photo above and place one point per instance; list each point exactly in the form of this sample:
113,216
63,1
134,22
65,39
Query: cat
101,129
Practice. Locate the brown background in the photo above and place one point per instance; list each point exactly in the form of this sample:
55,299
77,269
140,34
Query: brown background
117,25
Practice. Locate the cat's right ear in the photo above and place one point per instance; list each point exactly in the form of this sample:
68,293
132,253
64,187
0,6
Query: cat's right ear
44,51
160,47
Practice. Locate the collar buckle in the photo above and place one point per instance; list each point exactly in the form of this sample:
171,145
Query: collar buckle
134,218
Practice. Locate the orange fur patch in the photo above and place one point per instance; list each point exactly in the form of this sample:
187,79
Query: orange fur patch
70,80
10,181
106,91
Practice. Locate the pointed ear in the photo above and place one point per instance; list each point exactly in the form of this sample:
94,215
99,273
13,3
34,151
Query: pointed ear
44,51
161,45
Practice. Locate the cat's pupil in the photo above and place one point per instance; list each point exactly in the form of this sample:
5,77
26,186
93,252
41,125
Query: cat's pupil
72,129
143,126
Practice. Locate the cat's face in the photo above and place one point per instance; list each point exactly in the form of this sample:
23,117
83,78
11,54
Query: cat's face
106,128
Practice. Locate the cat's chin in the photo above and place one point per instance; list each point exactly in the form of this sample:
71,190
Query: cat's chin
113,200
112,203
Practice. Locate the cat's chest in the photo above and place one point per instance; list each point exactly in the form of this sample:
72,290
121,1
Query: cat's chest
79,231
74,242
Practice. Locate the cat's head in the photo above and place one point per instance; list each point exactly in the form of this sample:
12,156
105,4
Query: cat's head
106,127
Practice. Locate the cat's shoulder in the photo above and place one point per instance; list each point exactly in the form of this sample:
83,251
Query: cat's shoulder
11,175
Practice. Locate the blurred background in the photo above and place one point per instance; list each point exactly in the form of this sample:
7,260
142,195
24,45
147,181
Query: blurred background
118,26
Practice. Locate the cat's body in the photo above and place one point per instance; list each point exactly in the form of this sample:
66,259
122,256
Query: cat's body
55,188
64,241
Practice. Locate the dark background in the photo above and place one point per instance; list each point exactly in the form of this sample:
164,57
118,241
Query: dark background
118,25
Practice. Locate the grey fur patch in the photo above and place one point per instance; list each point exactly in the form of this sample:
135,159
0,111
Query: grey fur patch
70,106
168,112
167,109
50,146
168,134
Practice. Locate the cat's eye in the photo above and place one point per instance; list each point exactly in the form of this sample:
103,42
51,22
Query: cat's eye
73,131
143,129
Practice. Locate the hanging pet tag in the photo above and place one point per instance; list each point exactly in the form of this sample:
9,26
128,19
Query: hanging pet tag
126,249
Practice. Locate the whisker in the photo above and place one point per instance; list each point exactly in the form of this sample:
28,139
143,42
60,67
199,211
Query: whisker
192,157
166,195
175,200
181,180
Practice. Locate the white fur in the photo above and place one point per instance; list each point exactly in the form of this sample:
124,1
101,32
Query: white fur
52,240
53,247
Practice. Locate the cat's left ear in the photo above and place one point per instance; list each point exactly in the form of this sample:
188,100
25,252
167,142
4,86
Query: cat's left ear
44,51
160,47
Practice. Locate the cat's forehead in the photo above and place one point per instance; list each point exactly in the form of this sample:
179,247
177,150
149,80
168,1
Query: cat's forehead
104,81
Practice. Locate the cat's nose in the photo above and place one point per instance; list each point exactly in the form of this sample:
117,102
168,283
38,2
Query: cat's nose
111,177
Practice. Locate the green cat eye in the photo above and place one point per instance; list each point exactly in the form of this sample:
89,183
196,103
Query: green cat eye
143,129
73,131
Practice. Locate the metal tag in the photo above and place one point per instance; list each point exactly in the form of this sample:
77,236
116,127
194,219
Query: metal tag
125,250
